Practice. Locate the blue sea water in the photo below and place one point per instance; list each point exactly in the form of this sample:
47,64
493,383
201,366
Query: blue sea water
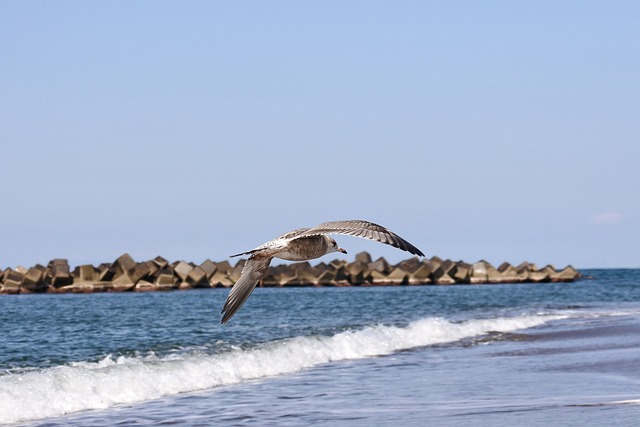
522,354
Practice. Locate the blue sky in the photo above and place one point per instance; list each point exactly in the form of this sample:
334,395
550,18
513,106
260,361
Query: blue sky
497,130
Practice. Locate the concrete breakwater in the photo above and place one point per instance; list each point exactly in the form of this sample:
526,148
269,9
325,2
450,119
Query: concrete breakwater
158,274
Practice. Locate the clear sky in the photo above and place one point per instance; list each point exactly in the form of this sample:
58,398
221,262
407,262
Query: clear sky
496,130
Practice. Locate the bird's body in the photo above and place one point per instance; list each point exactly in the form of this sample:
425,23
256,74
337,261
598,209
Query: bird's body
292,249
301,245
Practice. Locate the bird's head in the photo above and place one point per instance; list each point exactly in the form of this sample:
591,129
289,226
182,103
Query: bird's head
333,245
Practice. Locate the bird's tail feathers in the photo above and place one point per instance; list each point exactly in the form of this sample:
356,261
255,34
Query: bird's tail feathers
251,252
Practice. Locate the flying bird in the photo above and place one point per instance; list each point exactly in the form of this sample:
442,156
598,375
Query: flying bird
302,245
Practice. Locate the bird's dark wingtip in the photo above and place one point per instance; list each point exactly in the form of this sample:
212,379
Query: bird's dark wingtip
413,250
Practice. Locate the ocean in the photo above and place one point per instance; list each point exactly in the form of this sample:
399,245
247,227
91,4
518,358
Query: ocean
549,354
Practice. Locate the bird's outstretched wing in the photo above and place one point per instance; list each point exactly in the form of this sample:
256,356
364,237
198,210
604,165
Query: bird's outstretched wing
251,273
363,229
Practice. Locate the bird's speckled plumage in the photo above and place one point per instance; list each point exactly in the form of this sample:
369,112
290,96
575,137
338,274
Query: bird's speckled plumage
301,245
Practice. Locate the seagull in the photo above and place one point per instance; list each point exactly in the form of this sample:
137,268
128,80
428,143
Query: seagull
302,245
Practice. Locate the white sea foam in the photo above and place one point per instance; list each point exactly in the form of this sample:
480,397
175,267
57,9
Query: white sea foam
95,385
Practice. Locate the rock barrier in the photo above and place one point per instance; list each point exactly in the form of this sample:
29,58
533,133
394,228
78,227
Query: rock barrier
158,274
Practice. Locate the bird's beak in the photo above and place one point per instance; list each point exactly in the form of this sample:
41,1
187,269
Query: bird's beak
342,250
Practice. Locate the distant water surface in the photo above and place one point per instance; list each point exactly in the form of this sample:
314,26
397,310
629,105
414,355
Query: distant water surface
558,354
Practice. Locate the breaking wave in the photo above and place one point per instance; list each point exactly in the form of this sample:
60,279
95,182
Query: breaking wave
117,380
